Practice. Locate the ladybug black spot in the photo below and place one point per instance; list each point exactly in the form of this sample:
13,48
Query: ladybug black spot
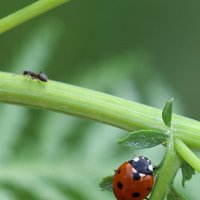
136,194
149,188
119,185
118,171
136,176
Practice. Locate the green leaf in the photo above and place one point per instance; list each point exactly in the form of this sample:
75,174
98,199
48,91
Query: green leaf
167,113
174,195
143,139
106,183
187,172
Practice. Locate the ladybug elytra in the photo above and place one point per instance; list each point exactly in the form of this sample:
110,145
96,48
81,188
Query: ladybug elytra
134,179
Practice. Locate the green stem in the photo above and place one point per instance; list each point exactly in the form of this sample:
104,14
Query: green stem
187,154
98,106
190,139
167,172
27,13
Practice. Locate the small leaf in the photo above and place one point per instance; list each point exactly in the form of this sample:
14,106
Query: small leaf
143,139
187,172
167,113
106,183
174,195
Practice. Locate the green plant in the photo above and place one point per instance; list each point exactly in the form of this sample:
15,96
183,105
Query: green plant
115,111
108,109
28,13
171,161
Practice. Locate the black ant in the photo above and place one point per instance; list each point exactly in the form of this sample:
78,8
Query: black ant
41,76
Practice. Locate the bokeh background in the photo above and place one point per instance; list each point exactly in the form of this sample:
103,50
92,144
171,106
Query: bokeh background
145,51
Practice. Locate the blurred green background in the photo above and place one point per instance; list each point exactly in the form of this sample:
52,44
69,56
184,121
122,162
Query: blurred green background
145,51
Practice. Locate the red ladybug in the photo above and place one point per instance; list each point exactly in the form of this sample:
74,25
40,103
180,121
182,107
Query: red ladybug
134,179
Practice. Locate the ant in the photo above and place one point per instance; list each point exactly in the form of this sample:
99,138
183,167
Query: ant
41,76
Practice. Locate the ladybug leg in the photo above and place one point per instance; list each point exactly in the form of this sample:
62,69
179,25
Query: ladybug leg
156,167
147,198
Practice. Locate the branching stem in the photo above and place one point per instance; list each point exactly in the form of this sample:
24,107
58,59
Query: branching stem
169,167
98,106
187,155
107,109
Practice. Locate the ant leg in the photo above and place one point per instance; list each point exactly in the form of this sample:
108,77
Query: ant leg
30,81
38,80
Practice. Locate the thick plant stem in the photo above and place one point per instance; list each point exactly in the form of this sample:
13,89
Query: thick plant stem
28,13
98,106
187,155
167,172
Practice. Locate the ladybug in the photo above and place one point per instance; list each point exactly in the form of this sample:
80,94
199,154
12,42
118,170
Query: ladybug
134,179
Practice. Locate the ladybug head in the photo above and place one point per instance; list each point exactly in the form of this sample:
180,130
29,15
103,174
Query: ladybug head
142,165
